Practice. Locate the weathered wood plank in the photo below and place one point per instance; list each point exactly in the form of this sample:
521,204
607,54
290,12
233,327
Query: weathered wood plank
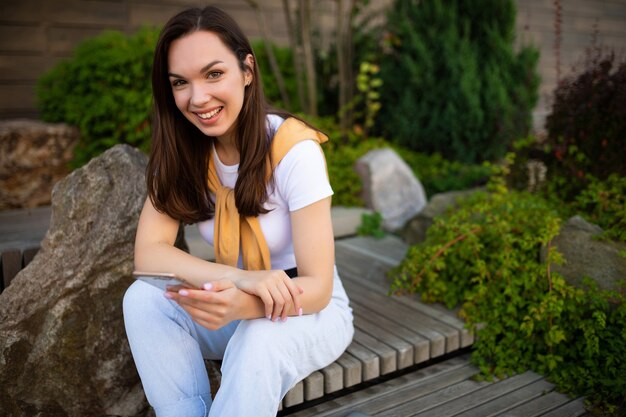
382,285
28,256
442,338
574,408
404,350
539,405
352,369
333,377
509,400
370,360
314,386
391,248
421,345
11,265
428,403
488,391
387,355
294,396
374,397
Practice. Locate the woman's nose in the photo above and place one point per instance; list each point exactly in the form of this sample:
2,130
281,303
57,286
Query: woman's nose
200,95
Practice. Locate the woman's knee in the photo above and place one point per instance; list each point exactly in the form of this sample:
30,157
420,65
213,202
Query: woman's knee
141,301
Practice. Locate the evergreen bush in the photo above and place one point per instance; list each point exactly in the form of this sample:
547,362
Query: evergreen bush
452,81
104,90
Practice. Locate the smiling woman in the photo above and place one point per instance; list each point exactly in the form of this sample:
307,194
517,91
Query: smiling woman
272,306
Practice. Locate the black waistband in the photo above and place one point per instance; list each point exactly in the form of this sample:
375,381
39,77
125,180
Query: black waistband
292,273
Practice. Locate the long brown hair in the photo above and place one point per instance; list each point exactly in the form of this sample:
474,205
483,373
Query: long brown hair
177,170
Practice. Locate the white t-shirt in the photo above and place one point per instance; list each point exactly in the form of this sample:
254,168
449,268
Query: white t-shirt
300,180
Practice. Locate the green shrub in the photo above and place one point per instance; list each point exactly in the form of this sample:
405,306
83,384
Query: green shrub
453,83
587,125
485,257
371,225
284,59
104,90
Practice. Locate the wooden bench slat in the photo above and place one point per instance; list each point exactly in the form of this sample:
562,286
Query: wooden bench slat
509,400
373,399
28,255
333,377
574,408
352,370
421,345
404,350
484,392
388,357
295,395
314,386
539,405
400,314
370,361
389,249
11,265
382,285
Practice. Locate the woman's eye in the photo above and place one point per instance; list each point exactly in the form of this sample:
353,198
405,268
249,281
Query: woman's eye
177,83
213,75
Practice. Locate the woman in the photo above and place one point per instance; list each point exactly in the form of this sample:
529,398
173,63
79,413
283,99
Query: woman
256,184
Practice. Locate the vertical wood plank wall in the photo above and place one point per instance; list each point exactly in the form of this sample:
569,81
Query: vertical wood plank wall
35,34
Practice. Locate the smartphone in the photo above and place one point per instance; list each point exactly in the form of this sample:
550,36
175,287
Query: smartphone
162,280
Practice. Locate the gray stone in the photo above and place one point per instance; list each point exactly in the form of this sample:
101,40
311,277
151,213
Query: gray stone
33,157
586,256
63,348
415,230
390,187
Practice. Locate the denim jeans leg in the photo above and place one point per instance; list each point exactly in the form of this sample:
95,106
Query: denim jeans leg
164,343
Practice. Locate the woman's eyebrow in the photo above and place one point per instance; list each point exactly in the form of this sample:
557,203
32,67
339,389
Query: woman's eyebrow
202,71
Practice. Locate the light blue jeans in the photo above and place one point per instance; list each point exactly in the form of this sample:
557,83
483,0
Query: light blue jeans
262,359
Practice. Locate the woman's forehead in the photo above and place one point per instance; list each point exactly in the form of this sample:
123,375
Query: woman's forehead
194,51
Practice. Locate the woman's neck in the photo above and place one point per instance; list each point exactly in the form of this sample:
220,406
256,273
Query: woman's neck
227,151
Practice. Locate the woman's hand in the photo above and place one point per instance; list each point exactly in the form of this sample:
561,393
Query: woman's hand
277,291
212,307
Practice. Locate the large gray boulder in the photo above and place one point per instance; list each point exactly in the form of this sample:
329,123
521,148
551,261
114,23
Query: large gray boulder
390,187
63,348
33,157
587,256
415,230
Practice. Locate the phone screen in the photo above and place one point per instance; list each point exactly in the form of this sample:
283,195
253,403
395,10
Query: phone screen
161,280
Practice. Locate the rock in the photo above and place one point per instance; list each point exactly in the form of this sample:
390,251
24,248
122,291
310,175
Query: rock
586,256
33,157
390,187
415,230
63,348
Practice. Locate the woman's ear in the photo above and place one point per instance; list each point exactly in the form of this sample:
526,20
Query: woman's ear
249,73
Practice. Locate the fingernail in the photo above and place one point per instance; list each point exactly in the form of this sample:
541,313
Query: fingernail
168,295
207,286
300,311
184,293
283,319
269,316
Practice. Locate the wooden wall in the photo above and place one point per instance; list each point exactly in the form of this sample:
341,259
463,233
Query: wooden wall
35,34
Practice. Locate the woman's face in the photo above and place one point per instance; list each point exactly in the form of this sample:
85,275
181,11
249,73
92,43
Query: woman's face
207,82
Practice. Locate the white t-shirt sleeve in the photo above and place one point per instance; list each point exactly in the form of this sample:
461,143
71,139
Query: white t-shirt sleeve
301,177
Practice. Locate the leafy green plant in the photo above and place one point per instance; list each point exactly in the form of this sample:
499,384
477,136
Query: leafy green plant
484,257
371,225
453,82
104,90
284,59
366,104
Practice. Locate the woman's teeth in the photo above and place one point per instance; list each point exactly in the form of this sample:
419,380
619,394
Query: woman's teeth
210,114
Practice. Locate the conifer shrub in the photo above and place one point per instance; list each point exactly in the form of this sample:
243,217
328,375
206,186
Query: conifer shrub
587,125
453,83
104,90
